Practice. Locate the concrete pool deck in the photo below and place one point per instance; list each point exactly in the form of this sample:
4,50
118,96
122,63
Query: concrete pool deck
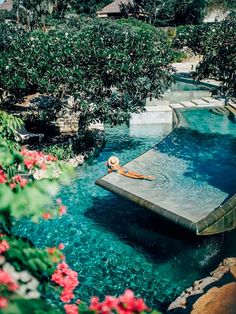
165,197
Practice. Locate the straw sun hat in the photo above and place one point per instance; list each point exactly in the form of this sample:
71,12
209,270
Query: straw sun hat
113,161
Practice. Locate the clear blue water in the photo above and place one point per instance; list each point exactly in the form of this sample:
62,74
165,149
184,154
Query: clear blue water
114,244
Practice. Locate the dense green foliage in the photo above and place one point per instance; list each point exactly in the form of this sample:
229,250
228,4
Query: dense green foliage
33,12
8,126
109,68
23,255
193,37
171,12
88,6
4,15
217,43
219,55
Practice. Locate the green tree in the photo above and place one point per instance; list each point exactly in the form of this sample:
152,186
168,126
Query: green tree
88,6
193,37
219,55
109,68
169,12
32,13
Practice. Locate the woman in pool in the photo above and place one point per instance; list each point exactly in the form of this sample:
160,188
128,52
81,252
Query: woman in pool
114,166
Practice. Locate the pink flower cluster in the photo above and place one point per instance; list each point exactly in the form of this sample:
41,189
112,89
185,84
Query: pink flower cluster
35,158
125,304
18,179
6,280
67,279
71,309
3,176
4,246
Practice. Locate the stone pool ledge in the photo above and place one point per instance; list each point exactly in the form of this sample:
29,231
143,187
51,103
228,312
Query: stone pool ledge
199,218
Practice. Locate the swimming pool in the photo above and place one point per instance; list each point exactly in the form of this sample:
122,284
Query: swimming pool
187,91
114,244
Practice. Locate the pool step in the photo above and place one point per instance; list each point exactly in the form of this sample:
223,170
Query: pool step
231,109
220,110
187,104
176,106
158,112
201,102
210,99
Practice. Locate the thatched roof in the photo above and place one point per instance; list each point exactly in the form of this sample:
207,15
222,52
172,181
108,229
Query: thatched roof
114,7
7,5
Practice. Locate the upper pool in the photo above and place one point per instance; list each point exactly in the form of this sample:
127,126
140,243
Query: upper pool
183,86
114,244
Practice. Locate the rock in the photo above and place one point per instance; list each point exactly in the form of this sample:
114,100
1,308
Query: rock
198,287
80,159
73,162
233,271
217,301
230,261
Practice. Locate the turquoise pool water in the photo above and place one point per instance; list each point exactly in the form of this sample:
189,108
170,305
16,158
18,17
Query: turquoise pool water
114,244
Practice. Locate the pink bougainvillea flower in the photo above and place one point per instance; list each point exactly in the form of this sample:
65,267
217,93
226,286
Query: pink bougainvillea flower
78,301
23,183
125,304
94,304
67,279
140,305
4,246
61,246
3,177
35,158
3,302
71,309
19,180
12,185
62,210
66,295
47,216
29,163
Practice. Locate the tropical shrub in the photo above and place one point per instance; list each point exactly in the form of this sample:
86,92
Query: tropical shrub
61,151
109,69
8,126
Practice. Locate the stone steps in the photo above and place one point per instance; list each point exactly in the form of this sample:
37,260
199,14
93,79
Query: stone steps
162,112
